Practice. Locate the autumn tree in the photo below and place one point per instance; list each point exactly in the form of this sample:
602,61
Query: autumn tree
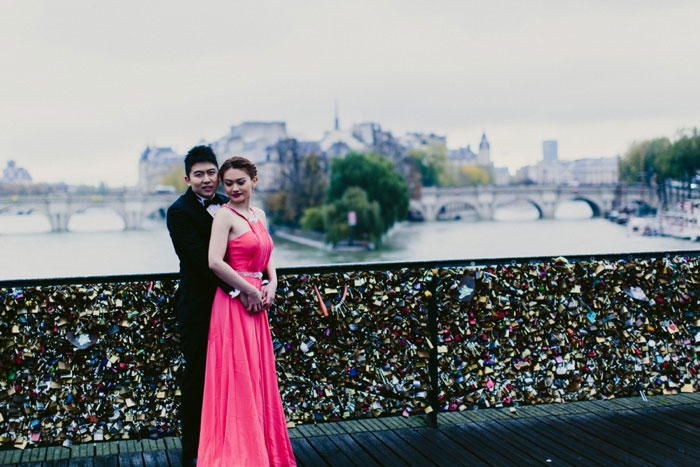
430,164
302,185
175,178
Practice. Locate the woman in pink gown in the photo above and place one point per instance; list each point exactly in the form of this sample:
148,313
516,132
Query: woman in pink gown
242,417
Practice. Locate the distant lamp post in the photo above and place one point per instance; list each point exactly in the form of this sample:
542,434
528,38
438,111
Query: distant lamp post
352,222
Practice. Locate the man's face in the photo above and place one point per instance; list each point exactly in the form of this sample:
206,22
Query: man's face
203,179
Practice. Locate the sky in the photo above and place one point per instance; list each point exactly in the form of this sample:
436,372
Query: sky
85,86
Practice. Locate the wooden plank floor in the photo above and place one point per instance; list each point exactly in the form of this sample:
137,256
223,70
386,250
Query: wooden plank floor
664,430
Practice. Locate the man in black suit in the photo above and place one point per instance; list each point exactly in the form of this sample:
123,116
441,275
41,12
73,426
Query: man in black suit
189,223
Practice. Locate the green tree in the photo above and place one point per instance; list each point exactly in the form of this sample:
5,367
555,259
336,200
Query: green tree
645,158
431,163
369,223
313,219
377,176
684,157
667,160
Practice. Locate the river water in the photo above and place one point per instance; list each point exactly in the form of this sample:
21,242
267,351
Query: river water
96,244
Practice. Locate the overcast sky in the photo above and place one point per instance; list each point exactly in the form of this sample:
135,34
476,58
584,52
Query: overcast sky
85,86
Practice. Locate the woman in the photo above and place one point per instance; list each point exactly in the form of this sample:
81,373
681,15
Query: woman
242,418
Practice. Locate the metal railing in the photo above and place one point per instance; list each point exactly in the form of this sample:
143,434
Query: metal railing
90,358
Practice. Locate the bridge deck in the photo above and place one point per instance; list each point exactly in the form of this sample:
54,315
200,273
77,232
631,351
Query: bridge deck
665,430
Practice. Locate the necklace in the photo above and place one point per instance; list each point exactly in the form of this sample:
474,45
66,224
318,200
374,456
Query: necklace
252,218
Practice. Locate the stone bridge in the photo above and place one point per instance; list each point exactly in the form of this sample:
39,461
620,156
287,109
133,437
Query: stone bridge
444,203
133,208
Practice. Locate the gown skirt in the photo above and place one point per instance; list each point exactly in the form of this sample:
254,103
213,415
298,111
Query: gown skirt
243,421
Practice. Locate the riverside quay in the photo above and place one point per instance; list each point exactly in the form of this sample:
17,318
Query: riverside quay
507,361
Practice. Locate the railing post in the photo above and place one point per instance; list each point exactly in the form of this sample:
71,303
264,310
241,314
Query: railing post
433,360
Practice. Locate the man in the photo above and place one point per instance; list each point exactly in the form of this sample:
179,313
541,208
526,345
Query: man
189,223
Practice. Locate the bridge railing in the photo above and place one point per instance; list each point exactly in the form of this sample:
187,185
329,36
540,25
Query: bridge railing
93,358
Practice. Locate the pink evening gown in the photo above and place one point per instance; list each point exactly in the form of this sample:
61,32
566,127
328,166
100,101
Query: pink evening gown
242,417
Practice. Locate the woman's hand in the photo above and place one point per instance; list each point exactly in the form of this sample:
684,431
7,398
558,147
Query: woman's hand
254,300
268,294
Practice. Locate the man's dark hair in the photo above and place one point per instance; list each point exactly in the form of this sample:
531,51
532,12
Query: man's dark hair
199,154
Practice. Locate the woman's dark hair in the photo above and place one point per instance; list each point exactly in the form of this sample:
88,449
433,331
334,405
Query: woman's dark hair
199,154
238,162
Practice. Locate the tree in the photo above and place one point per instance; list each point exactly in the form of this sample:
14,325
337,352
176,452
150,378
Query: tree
313,219
431,163
684,157
379,179
645,158
368,225
175,178
677,160
303,184
471,175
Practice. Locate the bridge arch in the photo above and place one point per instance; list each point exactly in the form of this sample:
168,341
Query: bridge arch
545,198
96,218
596,209
416,212
453,210
518,199
130,207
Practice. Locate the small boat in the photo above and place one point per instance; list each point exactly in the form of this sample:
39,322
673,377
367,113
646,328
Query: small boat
683,221
646,226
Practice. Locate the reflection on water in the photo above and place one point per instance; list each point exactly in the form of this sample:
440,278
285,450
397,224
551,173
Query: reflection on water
96,220
24,224
518,211
87,253
573,210
522,210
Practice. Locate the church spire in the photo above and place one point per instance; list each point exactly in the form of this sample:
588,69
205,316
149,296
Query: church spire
337,123
484,156
484,142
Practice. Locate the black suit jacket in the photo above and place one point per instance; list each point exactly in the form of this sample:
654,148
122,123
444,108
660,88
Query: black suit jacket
189,225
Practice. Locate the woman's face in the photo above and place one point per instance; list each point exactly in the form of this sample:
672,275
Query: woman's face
238,185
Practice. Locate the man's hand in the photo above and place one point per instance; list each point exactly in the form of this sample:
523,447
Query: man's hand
268,294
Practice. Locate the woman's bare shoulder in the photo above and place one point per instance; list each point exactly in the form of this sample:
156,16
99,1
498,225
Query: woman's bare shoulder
223,216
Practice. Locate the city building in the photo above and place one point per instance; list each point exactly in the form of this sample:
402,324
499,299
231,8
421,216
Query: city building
462,156
279,158
465,156
501,176
483,158
12,174
552,171
250,140
415,140
268,146
549,151
598,171
154,164
337,142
